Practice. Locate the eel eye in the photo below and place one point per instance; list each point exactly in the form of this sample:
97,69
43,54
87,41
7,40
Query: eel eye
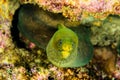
60,42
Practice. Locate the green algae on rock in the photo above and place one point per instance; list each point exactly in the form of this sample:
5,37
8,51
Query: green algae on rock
108,33
39,26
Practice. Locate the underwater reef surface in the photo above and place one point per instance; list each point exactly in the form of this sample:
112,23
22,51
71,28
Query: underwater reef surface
108,33
19,62
79,9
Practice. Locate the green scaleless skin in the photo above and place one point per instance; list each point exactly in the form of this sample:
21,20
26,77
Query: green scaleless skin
65,47
62,48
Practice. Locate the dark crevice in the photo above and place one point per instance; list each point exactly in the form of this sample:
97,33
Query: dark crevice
14,30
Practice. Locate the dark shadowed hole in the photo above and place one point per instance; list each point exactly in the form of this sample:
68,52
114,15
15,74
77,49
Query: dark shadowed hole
15,31
50,78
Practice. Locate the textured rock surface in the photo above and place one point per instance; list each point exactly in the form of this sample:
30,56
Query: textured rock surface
34,62
108,33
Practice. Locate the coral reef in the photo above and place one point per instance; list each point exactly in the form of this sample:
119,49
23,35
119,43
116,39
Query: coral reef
107,57
40,31
74,8
5,23
22,63
79,9
91,14
107,33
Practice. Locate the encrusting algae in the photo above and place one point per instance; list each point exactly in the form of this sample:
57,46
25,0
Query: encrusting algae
95,21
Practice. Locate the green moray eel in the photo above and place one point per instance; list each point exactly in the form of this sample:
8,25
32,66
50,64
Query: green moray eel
62,48
65,47
31,15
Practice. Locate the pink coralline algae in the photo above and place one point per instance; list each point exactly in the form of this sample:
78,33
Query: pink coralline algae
116,8
93,5
39,74
5,23
4,36
76,8
56,73
97,6
54,5
19,73
117,72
